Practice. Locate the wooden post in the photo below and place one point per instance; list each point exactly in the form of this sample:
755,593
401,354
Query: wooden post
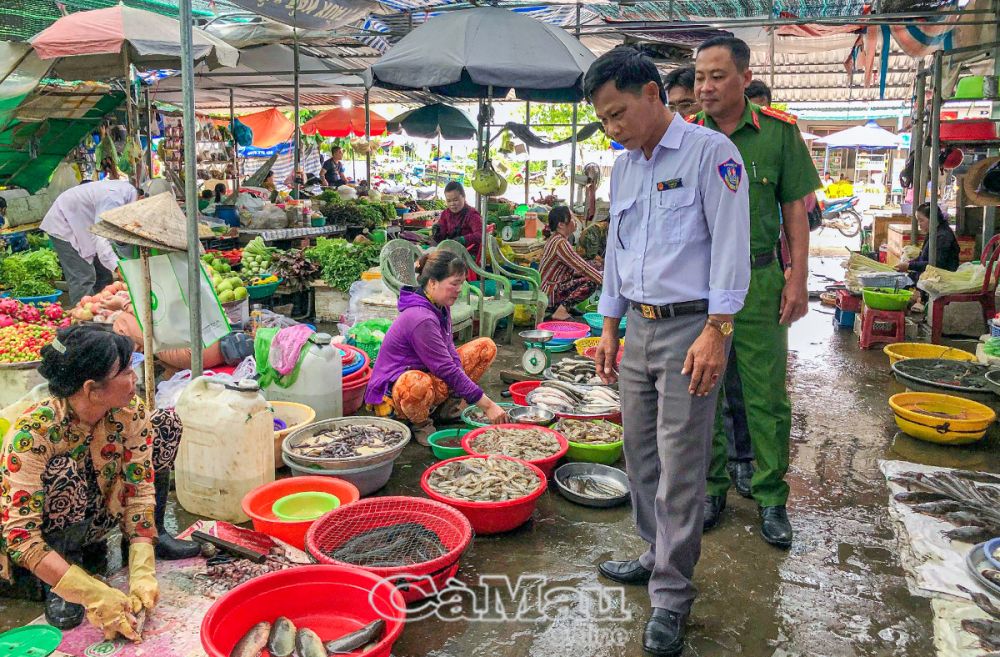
149,380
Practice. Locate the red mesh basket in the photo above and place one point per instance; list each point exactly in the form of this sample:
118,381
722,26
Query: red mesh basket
416,580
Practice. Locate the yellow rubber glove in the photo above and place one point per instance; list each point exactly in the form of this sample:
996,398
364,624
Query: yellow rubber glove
144,590
107,609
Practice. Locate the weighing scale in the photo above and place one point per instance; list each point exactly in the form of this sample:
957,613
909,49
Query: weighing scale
536,358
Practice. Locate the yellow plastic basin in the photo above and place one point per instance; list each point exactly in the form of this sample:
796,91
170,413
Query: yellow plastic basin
942,419
294,416
583,344
903,350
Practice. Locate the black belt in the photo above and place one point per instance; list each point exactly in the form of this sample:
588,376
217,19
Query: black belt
763,259
671,309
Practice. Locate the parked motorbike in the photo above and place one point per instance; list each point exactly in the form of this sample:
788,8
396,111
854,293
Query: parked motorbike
841,215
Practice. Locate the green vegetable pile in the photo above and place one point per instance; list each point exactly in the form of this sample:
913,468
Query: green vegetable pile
295,269
433,204
256,258
30,273
360,212
992,347
342,262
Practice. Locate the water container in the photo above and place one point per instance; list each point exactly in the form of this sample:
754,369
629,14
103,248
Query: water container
319,382
227,447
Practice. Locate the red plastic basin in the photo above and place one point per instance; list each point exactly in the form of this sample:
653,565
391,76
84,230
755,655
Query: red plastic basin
354,396
330,600
258,502
363,374
490,517
519,391
546,465
417,581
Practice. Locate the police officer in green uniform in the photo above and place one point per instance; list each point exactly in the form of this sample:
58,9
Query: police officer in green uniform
781,175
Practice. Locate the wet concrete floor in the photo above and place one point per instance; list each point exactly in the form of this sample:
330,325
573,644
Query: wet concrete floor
839,591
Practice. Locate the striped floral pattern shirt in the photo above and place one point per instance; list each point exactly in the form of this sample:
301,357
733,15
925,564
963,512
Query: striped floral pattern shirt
560,263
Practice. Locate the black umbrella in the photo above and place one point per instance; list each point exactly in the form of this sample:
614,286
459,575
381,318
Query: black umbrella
465,54
437,120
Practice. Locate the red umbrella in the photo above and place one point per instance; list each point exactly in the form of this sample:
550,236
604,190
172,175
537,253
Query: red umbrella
99,43
341,122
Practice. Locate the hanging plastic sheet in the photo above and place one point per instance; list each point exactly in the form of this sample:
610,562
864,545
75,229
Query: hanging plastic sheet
312,14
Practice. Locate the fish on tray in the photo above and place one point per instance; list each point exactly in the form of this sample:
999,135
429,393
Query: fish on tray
369,634
562,397
303,642
576,370
955,497
598,488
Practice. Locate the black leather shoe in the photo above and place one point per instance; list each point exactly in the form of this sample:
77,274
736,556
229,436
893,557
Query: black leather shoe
61,614
664,634
714,505
625,572
741,472
774,526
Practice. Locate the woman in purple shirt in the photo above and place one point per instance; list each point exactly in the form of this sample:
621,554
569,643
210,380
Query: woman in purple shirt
419,372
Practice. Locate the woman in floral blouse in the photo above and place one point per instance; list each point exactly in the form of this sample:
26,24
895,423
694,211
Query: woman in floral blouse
567,278
74,466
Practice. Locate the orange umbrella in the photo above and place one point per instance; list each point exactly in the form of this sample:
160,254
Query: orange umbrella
269,127
341,122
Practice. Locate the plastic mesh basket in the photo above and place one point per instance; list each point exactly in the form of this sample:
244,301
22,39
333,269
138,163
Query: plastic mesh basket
392,537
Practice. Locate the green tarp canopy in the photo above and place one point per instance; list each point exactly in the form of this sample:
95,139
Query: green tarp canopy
30,152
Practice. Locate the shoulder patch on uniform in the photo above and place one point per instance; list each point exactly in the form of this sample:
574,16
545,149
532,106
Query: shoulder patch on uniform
778,114
731,173
698,118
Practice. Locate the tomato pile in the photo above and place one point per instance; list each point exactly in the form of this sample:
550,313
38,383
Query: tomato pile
25,329
22,343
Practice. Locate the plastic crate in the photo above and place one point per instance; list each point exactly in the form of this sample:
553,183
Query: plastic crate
884,279
844,318
849,302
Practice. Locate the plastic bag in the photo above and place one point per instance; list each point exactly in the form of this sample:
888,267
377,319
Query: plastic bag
63,178
270,217
356,312
938,282
171,326
250,202
169,391
269,319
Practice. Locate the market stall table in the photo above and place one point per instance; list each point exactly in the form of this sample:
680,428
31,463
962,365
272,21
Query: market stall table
289,234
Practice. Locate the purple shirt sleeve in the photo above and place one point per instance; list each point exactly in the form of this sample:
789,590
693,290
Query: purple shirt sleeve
441,360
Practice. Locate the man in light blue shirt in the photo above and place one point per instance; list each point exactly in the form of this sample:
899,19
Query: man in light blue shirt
678,262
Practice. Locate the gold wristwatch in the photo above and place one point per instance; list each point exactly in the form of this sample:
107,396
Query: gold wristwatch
725,328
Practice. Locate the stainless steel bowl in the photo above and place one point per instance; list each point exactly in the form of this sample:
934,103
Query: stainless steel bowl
531,415
536,336
599,472
354,462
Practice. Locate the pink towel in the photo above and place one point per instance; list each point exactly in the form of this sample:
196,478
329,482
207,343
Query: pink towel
286,347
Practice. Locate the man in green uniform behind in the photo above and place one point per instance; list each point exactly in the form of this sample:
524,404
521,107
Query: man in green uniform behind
782,174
